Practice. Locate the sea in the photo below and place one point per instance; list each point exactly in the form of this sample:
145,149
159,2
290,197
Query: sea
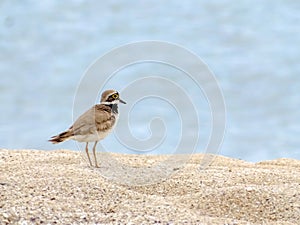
247,50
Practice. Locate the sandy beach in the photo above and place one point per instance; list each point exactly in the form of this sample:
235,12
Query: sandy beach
58,187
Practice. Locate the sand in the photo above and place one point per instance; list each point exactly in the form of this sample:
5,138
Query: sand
58,187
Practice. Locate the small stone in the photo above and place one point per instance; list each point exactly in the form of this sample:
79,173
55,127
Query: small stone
249,189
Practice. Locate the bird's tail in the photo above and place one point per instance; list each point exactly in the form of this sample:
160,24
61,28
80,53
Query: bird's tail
61,137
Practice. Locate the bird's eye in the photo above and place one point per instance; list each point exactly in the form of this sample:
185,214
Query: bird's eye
115,96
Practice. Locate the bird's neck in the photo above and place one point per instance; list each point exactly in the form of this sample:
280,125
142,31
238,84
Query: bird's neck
114,108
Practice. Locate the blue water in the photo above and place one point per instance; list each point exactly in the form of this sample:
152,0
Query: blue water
251,46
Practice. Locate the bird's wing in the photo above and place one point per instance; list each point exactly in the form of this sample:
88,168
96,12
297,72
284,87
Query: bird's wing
98,118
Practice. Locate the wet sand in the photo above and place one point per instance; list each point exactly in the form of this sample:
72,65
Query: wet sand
58,187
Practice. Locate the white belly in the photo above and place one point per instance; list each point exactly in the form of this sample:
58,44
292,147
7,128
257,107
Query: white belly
98,136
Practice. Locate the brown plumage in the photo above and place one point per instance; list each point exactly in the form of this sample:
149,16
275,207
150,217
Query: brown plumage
95,124
99,118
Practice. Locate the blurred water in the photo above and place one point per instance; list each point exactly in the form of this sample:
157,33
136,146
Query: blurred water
252,47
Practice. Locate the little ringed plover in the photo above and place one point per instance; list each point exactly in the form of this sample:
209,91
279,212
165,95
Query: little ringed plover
95,124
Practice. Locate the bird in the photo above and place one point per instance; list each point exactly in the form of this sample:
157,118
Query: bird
95,124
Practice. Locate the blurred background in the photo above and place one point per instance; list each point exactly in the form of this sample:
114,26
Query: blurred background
251,46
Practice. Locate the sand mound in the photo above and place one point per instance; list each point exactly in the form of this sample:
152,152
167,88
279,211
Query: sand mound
59,187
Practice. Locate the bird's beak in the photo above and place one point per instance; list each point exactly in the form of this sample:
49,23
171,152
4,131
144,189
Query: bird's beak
122,101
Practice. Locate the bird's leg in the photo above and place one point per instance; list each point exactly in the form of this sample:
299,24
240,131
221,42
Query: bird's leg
94,152
87,152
